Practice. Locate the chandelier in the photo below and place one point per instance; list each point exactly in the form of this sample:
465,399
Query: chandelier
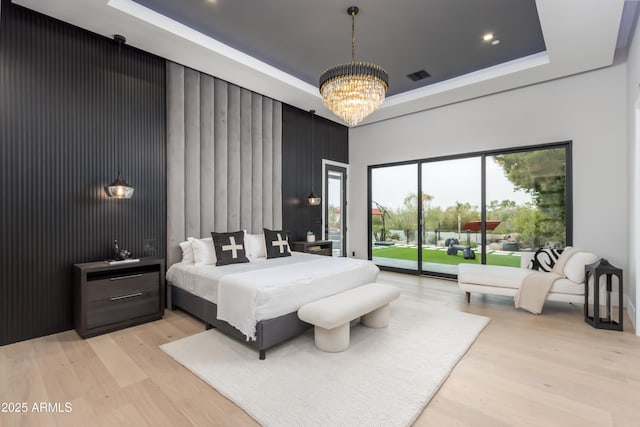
354,90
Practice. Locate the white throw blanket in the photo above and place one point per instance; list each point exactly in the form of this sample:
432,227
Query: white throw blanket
241,295
535,287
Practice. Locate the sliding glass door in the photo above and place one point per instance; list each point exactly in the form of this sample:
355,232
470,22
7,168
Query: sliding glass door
394,216
431,215
451,198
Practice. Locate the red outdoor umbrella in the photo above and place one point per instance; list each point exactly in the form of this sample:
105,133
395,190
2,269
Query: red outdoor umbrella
477,225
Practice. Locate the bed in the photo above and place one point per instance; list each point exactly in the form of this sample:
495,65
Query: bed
257,302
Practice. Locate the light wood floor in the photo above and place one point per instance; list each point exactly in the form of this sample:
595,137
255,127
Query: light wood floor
523,370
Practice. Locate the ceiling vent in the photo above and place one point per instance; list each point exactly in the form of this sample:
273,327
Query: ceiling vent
418,75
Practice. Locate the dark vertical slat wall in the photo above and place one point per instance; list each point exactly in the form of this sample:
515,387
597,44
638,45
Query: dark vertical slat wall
302,168
74,110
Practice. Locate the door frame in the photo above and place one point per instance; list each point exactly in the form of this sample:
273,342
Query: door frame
344,166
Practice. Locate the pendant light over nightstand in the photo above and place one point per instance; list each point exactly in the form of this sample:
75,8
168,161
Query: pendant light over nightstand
313,198
120,189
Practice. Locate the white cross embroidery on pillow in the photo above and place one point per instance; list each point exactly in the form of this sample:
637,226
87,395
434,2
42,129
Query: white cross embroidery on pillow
233,247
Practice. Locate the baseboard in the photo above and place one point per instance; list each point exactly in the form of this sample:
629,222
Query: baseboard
631,311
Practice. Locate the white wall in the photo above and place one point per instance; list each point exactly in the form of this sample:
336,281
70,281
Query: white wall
589,109
633,114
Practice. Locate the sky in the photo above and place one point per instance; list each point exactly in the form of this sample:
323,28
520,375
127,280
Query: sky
448,181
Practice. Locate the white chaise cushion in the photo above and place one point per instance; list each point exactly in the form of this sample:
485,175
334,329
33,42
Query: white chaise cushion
339,309
574,268
492,275
510,277
566,286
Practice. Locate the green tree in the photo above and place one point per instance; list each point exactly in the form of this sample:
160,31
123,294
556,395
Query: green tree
412,201
518,220
542,174
455,217
334,219
405,217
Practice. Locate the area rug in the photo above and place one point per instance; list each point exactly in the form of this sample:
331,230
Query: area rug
385,378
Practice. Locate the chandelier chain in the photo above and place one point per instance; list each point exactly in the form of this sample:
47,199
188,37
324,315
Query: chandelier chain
353,36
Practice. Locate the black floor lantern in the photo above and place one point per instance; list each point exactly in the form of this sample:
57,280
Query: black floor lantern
596,271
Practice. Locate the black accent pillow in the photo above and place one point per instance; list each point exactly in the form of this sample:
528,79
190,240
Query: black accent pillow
544,259
277,243
229,248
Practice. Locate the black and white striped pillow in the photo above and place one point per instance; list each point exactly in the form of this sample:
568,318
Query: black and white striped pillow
544,259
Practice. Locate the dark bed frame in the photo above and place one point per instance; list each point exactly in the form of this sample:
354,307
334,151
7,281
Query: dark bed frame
269,332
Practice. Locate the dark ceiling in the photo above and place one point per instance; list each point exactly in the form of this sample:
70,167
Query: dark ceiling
304,38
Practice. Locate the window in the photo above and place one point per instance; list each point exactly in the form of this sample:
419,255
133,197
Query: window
430,215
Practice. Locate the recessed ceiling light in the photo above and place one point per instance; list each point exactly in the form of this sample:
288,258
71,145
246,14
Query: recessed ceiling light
495,42
487,37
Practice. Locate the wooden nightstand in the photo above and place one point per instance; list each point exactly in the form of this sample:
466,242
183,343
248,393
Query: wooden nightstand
110,297
321,247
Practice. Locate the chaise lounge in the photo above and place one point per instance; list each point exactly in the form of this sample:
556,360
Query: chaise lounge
501,280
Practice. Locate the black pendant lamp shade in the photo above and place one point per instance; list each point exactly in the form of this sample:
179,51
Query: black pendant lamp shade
120,189
313,199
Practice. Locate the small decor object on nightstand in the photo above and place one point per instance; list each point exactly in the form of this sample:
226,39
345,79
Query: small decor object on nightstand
310,236
593,273
120,256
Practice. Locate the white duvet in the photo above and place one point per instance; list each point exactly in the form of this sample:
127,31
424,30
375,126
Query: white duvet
265,289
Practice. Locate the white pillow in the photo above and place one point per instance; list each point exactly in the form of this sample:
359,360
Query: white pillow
187,252
203,251
254,245
574,268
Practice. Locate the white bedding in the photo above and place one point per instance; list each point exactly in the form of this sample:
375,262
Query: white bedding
264,289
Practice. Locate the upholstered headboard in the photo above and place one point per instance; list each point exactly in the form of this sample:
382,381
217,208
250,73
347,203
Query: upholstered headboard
224,158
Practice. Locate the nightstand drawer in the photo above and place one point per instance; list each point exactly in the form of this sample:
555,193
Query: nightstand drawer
320,247
320,251
123,307
122,297
122,284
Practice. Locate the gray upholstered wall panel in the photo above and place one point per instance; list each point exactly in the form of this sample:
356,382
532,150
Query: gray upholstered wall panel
234,170
267,157
256,165
192,151
277,166
246,157
224,158
175,160
207,153
221,155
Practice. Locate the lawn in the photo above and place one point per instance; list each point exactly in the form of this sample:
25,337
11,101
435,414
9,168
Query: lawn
440,256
